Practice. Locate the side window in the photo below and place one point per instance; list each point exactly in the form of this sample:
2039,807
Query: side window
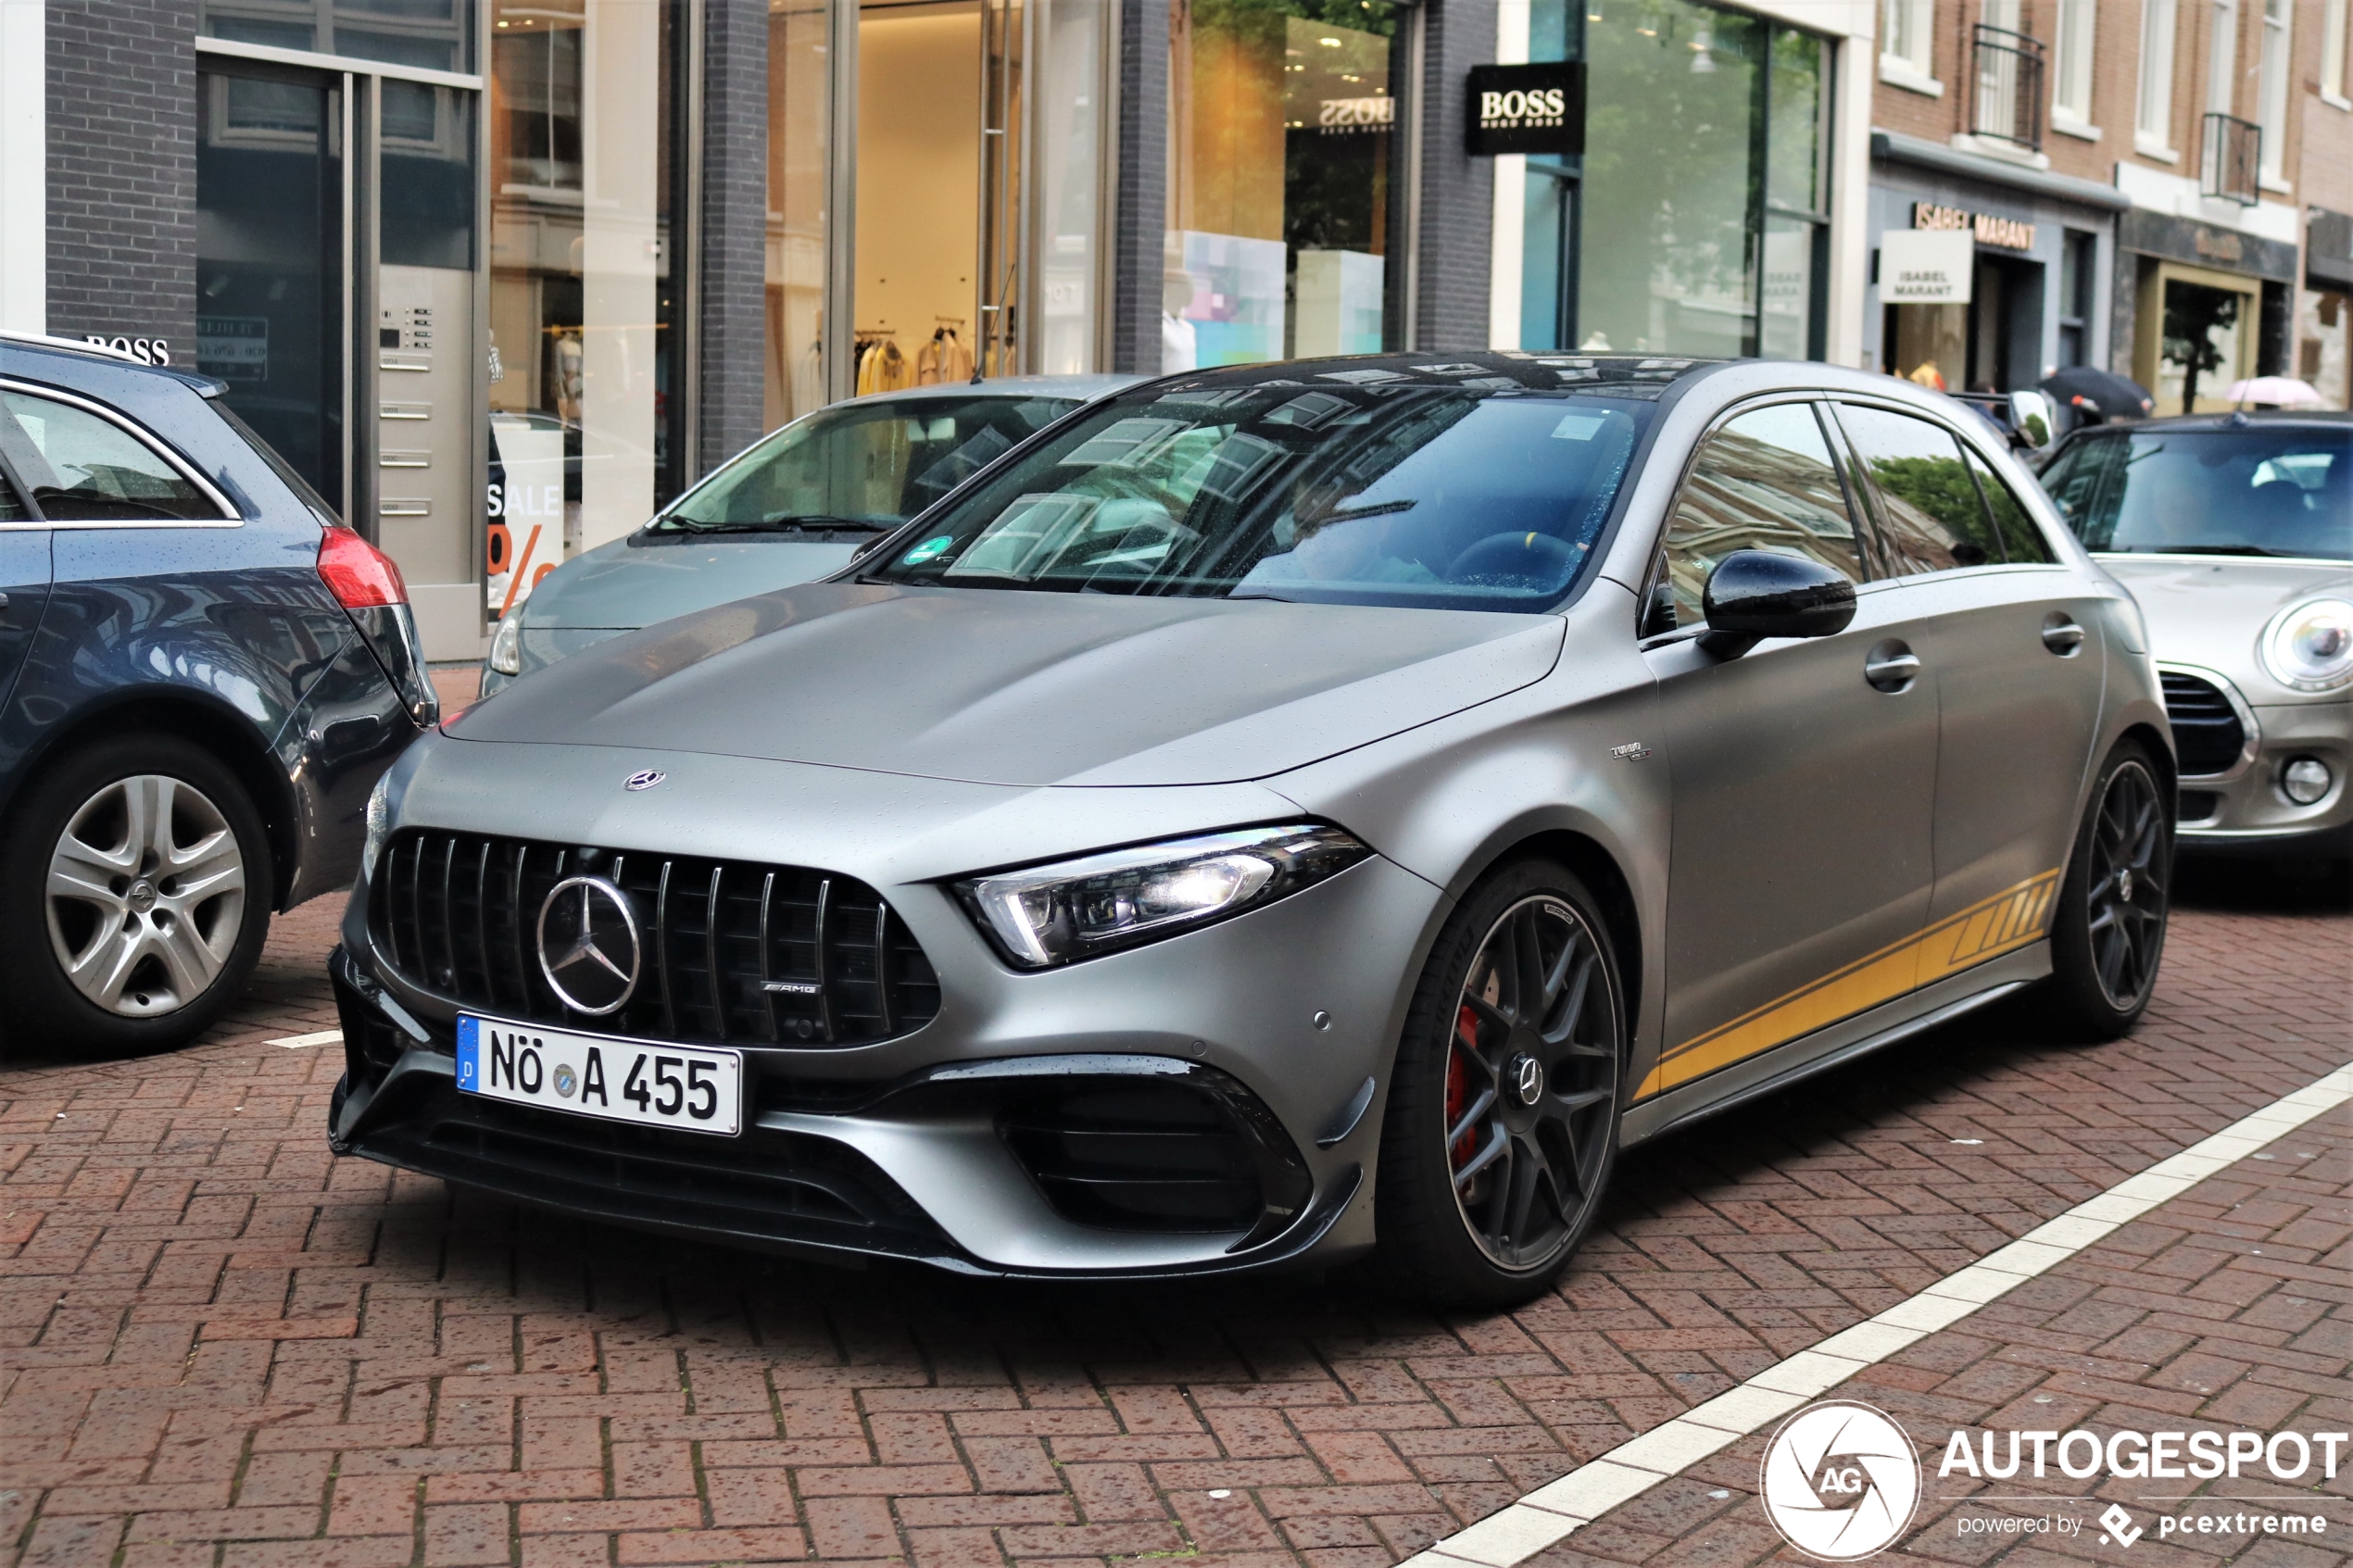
2022,542
83,469
1932,518
1763,482
11,509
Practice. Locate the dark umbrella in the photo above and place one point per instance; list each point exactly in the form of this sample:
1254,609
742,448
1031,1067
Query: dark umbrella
2098,396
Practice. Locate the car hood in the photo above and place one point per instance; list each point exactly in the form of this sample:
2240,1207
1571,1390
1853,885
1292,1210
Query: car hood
2208,611
1015,687
626,585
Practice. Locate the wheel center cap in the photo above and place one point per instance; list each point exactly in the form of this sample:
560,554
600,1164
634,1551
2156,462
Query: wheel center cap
2125,884
1528,1078
142,895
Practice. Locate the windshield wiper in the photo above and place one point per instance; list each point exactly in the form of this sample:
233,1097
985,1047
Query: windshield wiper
2222,550
787,522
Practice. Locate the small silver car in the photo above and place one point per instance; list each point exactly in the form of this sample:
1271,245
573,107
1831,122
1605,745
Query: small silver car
2236,533
1276,814
793,506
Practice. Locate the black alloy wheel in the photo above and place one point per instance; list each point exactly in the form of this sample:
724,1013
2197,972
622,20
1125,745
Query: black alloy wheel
2127,896
2107,932
1503,1119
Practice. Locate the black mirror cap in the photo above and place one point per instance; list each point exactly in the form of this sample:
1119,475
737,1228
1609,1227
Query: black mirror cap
1753,595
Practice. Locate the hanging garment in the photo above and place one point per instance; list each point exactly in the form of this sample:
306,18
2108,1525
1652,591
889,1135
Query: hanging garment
869,367
927,361
955,360
894,370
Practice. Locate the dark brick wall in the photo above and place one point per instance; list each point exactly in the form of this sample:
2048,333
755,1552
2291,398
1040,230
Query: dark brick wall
123,170
1457,190
1141,215
734,227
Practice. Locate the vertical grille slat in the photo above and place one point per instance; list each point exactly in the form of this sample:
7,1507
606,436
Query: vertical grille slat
839,980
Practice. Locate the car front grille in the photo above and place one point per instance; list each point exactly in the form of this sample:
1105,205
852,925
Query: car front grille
733,954
2207,731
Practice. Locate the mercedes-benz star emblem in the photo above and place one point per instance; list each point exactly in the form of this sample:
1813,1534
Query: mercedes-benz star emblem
1529,1074
588,944
645,778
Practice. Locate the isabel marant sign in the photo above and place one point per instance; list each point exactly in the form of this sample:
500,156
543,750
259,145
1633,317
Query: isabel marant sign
1537,108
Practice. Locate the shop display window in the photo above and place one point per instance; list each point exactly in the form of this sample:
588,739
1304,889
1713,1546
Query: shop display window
584,294
1283,148
1704,163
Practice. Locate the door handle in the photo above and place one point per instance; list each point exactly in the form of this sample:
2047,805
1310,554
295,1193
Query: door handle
1892,668
2061,635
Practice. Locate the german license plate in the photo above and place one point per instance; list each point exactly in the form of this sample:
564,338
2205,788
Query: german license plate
654,1084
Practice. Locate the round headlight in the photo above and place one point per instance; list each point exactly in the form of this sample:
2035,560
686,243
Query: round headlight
2308,648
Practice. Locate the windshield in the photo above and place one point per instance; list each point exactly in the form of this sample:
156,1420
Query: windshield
2283,491
1411,495
865,467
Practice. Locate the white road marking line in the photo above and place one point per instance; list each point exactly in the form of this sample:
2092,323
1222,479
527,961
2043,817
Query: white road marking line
1550,1513
297,1042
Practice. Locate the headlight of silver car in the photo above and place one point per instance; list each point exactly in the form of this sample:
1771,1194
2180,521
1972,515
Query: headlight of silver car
379,826
1048,915
506,645
2309,646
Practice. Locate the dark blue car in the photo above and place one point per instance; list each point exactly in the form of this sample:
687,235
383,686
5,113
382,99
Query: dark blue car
201,678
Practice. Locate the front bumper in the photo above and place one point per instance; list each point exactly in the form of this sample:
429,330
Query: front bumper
2249,811
1171,1109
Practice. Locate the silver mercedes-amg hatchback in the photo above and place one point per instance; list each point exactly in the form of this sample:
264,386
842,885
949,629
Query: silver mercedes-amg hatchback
1275,814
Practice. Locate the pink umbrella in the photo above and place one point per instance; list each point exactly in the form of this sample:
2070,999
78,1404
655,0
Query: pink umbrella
2277,392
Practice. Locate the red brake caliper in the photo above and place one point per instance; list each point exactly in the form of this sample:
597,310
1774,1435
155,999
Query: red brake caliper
1458,1086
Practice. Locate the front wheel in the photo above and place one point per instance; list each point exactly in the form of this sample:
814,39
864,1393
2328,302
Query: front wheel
2107,934
1502,1124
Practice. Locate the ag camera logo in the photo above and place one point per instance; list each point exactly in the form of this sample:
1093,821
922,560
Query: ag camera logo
1841,1481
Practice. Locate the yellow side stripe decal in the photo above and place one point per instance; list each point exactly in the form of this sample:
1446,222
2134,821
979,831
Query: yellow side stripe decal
2009,920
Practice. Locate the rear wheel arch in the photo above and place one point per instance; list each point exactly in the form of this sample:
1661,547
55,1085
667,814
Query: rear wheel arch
214,726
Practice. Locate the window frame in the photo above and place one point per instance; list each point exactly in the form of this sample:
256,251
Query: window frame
2153,82
2071,75
1865,535
230,516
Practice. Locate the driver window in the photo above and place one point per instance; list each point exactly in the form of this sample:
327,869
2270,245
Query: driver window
1764,481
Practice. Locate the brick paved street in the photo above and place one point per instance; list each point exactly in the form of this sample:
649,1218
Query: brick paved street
219,1344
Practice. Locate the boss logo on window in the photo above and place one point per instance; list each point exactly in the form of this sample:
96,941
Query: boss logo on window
1533,109
1354,113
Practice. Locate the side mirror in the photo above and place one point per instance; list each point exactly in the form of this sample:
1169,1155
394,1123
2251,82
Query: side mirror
1753,595
2031,419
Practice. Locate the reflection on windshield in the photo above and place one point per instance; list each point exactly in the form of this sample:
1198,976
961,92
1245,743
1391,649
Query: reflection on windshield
1406,494
2280,492
862,468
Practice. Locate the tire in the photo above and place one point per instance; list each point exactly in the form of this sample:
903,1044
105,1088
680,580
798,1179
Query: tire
174,870
2107,934
1484,1192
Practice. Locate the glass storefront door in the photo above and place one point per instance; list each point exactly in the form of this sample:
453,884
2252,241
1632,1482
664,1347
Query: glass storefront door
270,243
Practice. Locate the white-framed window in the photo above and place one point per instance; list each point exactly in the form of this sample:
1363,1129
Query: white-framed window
2153,119
1907,38
2333,51
2270,103
2074,29
2222,57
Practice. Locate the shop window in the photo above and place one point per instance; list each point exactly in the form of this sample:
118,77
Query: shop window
1283,150
2078,261
434,34
584,296
1706,164
800,175
2207,342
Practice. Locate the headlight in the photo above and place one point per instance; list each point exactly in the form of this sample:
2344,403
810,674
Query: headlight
2308,648
1073,910
379,824
506,645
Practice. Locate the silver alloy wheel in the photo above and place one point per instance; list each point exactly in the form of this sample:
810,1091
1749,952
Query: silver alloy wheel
145,895
1531,1083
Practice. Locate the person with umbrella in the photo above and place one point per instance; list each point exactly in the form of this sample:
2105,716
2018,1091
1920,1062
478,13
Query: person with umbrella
2098,397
